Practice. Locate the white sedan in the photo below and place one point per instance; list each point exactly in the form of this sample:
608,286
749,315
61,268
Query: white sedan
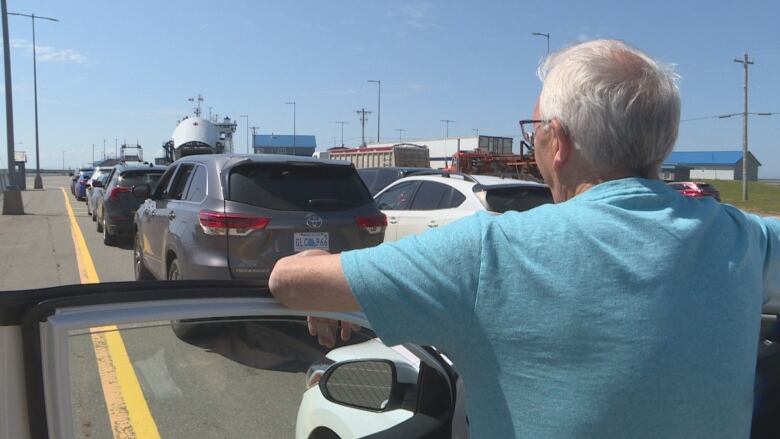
417,203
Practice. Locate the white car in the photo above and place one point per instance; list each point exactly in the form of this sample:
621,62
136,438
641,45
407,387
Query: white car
417,203
317,414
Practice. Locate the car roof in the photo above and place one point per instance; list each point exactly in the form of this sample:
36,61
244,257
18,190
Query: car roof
224,160
465,181
139,166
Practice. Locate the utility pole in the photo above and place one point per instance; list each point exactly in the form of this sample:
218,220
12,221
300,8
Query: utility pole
246,116
378,107
293,104
476,131
104,149
342,123
93,155
447,123
362,112
116,148
199,99
254,133
12,196
38,181
400,134
63,161
745,63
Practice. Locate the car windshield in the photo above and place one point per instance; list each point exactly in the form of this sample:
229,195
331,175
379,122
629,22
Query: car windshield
517,198
297,187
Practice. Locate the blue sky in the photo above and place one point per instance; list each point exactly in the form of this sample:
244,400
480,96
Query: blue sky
121,69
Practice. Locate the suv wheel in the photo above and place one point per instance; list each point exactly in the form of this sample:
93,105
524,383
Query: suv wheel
108,239
174,273
99,224
140,271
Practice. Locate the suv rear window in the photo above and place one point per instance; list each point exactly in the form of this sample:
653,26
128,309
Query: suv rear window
518,198
132,178
297,187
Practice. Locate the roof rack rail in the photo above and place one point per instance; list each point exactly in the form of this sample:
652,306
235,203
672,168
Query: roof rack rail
465,177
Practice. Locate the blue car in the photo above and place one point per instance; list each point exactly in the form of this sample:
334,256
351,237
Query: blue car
80,187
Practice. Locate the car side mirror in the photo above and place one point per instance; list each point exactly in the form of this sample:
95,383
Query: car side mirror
97,183
364,384
141,191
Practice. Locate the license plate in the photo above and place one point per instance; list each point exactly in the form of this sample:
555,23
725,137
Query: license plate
309,240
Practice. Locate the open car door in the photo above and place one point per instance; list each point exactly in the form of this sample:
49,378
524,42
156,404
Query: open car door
204,359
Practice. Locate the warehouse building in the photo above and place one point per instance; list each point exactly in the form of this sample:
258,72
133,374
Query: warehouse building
710,165
301,144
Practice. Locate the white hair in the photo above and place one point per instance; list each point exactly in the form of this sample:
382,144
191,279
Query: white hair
620,108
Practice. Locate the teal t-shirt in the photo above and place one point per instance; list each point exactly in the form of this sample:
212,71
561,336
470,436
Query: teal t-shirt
627,311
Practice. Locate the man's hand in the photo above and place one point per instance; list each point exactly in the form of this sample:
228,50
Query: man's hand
325,330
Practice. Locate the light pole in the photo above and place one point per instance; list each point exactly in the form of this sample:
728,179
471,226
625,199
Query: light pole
547,35
12,196
93,155
104,149
38,181
246,116
116,148
378,106
342,123
293,104
447,123
63,161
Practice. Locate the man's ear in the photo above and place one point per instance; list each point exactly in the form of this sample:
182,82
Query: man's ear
564,147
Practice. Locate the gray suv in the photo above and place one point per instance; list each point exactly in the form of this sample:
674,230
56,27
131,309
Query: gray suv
233,216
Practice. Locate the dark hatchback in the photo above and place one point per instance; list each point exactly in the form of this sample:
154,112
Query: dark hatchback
115,209
233,216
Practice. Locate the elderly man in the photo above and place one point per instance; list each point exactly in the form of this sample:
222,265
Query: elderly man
623,310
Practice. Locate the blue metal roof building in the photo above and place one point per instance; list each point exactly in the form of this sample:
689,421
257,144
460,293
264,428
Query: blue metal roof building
716,165
299,144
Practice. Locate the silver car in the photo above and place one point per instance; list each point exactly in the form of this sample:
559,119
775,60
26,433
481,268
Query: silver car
95,188
233,216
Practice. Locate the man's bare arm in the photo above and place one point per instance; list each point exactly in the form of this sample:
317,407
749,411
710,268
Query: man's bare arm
312,280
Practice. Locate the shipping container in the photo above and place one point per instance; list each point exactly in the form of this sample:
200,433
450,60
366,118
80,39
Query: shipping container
401,155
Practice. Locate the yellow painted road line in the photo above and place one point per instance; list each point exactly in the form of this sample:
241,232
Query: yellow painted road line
128,410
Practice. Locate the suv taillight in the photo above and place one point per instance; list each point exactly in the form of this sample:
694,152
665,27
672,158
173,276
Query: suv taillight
372,224
234,224
114,194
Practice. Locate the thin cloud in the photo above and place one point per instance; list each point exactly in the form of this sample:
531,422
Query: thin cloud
416,15
49,53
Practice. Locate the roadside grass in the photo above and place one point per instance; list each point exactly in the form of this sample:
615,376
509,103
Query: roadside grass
763,198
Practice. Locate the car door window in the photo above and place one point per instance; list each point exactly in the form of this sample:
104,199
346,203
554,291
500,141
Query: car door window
451,199
196,189
165,181
398,197
430,195
180,364
180,182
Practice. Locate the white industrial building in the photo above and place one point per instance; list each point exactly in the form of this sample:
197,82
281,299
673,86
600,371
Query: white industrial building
708,165
441,150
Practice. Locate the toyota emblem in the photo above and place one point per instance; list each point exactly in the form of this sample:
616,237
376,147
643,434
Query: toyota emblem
313,222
